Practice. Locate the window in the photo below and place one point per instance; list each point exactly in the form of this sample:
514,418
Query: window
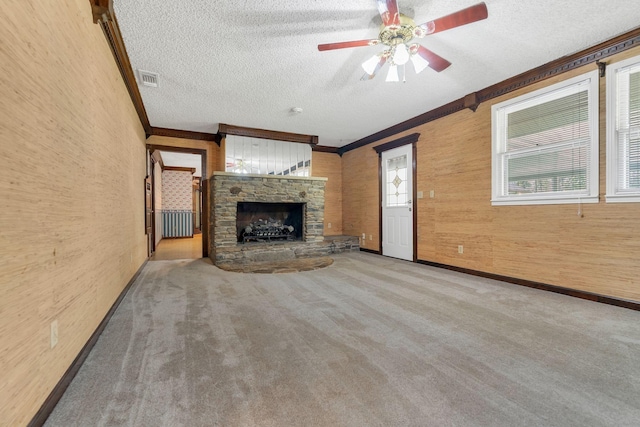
397,181
623,131
266,157
545,145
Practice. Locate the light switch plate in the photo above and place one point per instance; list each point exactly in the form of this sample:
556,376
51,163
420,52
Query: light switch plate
420,194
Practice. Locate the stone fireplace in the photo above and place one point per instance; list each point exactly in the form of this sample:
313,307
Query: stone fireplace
266,222
236,199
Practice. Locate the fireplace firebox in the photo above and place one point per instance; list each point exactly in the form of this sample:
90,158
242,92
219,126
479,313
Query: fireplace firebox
266,222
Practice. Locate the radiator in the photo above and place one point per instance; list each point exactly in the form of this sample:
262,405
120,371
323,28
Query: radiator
177,223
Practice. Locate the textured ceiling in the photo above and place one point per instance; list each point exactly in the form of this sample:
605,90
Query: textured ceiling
248,63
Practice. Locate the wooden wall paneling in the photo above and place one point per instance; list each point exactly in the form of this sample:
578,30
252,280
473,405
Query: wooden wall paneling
360,196
425,172
72,194
603,242
213,150
596,252
330,166
157,200
221,163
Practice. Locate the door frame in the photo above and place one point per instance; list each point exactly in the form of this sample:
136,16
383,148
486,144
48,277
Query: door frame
405,140
205,208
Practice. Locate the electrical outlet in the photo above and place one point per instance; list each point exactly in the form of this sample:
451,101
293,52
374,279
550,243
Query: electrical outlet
420,194
460,249
328,225
54,333
370,236
364,236
432,194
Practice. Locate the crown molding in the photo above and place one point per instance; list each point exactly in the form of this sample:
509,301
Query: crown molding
225,129
184,134
409,139
324,149
593,54
445,110
102,12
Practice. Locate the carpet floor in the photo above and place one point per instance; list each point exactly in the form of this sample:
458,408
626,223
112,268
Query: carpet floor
367,341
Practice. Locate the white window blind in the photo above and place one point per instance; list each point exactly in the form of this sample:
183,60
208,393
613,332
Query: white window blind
544,145
623,139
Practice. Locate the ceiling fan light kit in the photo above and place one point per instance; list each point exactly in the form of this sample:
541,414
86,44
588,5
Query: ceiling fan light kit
392,76
397,32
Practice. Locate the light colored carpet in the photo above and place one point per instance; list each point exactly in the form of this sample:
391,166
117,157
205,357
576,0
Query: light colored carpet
367,341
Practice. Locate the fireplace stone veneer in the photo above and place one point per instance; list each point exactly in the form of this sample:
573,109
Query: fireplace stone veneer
227,189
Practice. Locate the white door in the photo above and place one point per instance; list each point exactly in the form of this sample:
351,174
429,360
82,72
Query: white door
397,203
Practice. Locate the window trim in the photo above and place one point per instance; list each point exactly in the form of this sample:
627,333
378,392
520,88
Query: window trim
613,195
546,94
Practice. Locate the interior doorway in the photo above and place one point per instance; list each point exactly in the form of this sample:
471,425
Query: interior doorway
179,204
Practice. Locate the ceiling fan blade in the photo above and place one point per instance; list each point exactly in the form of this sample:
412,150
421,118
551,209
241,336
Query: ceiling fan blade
342,45
456,19
389,12
436,62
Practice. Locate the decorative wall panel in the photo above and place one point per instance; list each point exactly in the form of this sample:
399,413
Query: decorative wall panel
177,190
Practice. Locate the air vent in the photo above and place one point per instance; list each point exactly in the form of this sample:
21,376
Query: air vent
148,78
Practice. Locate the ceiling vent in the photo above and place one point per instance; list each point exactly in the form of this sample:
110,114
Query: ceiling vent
147,78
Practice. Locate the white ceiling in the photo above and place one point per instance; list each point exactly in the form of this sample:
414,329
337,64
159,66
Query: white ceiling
248,63
170,158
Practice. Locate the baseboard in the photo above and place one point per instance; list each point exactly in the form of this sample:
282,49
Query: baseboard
56,394
633,305
371,251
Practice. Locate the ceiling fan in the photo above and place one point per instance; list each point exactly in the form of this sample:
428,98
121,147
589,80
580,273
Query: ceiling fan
397,33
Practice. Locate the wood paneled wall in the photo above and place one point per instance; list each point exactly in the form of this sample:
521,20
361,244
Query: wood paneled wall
360,195
598,252
71,193
329,165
